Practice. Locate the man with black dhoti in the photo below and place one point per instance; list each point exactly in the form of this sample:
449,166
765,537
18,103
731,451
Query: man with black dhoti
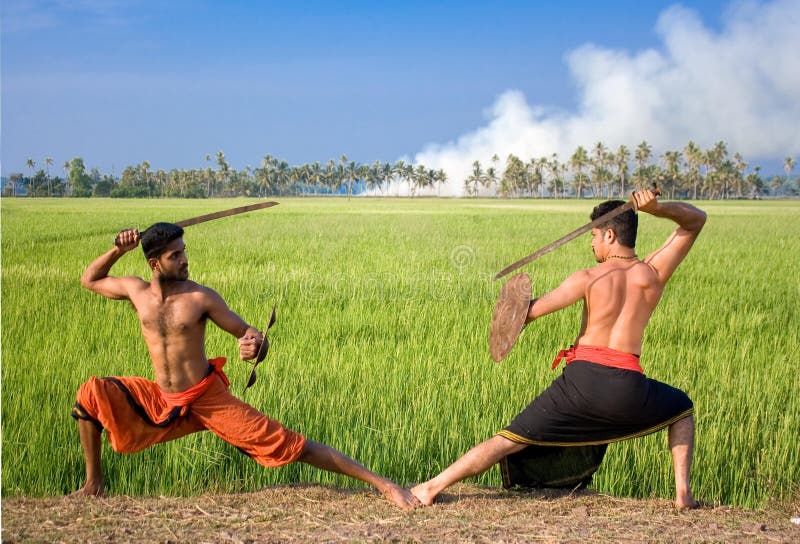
602,396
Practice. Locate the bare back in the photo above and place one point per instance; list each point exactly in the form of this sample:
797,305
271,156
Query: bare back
619,296
618,302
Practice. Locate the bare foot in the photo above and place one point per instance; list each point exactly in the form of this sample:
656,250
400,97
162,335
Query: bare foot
400,497
685,501
91,489
423,494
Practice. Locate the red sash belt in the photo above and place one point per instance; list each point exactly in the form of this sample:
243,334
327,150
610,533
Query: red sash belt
185,398
601,356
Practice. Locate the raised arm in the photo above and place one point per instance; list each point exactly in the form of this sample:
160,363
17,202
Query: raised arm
96,278
690,222
226,319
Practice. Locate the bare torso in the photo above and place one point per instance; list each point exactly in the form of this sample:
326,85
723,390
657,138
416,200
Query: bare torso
174,329
173,312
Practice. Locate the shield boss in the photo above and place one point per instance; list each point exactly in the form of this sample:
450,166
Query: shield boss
509,315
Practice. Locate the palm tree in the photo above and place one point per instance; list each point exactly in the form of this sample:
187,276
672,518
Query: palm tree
398,171
776,185
265,176
373,175
387,171
16,180
642,156
330,175
621,159
756,183
160,179
352,176
224,169
66,166
788,165
474,179
429,177
535,176
349,169
282,173
556,186
741,166
672,170
728,174
440,176
342,169
208,176
579,161
599,162
419,179
495,161
31,164
294,175
694,158
716,156
364,175
315,174
513,180
48,161
144,174
408,174
490,179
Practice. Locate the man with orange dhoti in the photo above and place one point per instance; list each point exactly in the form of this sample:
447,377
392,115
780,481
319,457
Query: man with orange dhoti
190,392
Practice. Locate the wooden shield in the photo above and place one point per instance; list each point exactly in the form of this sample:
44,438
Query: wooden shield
509,315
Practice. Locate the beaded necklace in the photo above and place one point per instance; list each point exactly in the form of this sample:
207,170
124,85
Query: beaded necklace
621,257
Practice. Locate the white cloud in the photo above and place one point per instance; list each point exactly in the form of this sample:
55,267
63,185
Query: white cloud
740,85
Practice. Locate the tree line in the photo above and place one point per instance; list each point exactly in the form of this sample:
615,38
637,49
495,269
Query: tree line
689,173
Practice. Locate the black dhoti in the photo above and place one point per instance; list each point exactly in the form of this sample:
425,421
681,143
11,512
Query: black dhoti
569,425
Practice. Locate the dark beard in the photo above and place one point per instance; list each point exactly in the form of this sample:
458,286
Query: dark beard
182,275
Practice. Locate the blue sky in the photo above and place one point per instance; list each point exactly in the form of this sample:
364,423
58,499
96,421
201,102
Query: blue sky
121,81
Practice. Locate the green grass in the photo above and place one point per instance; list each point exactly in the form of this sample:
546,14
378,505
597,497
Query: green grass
380,348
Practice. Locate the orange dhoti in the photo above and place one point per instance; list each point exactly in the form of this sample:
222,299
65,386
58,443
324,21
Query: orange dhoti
136,413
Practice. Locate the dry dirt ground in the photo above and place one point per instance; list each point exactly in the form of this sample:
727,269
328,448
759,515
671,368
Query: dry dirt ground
466,513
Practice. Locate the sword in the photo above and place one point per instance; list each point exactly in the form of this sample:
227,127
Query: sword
571,236
216,215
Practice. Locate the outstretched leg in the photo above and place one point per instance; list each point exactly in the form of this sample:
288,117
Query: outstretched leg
474,462
269,443
324,457
681,443
90,441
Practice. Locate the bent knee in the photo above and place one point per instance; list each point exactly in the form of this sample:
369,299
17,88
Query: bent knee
86,404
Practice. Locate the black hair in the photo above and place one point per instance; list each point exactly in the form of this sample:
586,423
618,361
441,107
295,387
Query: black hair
157,237
625,225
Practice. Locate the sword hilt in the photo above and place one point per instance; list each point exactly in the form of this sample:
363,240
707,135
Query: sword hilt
117,240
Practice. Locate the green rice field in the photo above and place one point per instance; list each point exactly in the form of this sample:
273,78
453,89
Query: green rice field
381,344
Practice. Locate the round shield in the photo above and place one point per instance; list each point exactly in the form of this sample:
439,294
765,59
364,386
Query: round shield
509,316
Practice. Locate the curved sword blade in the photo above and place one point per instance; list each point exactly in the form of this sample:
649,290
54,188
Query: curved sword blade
224,213
564,239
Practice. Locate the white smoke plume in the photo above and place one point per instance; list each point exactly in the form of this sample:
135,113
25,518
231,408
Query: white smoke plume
740,85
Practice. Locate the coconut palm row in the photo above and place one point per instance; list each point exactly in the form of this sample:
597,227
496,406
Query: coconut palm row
598,172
